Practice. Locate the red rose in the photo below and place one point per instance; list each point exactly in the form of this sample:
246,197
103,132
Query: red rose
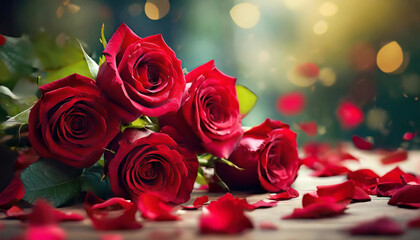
72,122
210,115
148,162
268,154
142,75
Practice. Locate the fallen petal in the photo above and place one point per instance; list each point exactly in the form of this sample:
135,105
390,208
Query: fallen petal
154,208
286,195
113,214
361,143
199,202
291,103
349,115
414,223
267,226
380,226
224,216
392,176
317,210
394,157
263,204
406,196
360,195
388,189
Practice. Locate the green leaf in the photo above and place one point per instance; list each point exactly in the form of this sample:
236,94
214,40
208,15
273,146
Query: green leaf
92,181
79,67
247,99
185,71
103,40
93,66
52,180
102,59
141,122
19,119
16,60
200,177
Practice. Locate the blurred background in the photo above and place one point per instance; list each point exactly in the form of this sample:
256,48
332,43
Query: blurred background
331,69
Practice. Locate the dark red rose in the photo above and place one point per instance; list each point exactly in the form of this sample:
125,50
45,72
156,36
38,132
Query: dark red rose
147,162
268,155
142,75
210,115
73,121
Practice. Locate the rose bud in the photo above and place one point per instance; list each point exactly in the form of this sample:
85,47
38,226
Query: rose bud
148,162
72,122
268,154
142,75
209,118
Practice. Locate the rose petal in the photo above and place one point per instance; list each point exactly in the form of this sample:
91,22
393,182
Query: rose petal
342,192
406,196
224,216
198,202
310,128
285,195
328,170
365,179
291,103
393,176
267,226
388,189
113,214
154,208
361,143
360,195
380,226
414,223
317,210
17,213
50,232
112,237
349,115
408,136
2,40
263,204
394,157
408,178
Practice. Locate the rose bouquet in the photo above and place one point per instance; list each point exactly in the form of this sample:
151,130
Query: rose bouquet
140,127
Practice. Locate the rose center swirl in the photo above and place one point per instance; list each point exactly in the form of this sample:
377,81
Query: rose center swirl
150,171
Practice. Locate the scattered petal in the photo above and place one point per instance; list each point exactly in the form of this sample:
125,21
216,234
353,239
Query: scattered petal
291,103
310,128
263,204
199,202
342,193
50,232
414,223
328,170
360,195
366,179
224,216
17,213
267,226
408,196
349,115
112,237
408,178
393,176
408,136
394,157
154,208
380,226
388,189
361,143
113,214
285,195
317,210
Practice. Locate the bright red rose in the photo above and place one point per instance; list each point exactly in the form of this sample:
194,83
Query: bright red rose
210,114
146,162
268,155
142,75
72,122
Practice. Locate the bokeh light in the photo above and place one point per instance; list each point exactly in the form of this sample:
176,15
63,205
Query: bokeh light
135,9
320,27
349,115
411,84
245,15
291,103
327,77
156,9
390,57
328,9
376,119
363,57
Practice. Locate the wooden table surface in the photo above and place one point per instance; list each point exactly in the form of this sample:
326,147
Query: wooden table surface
323,229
